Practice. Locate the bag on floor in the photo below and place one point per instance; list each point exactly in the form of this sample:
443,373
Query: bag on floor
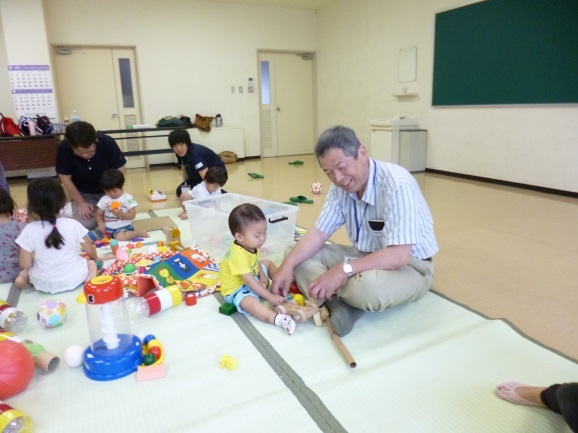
228,157
8,128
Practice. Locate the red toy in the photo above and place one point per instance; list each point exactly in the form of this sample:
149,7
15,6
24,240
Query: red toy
16,368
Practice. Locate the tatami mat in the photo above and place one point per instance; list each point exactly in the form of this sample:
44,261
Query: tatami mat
196,395
430,366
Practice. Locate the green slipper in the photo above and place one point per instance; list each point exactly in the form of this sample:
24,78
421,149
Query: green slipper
296,162
300,199
290,202
256,175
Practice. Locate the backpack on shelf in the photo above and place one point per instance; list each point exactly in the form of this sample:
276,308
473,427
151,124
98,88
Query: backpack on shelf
44,123
186,121
8,128
203,122
169,121
28,126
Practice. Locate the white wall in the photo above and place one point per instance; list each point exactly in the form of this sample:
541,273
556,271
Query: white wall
6,105
22,42
357,64
189,53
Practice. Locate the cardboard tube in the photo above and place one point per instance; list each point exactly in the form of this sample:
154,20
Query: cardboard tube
344,352
47,361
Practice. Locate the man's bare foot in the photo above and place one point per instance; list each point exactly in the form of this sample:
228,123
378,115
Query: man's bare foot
183,216
520,394
142,234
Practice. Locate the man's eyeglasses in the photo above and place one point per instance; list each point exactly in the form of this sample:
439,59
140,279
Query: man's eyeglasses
85,151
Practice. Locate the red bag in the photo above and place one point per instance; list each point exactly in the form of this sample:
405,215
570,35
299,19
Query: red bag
8,127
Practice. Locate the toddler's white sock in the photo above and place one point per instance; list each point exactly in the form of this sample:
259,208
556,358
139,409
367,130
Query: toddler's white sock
286,322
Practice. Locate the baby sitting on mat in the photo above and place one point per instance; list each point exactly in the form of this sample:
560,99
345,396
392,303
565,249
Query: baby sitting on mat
211,185
117,209
245,278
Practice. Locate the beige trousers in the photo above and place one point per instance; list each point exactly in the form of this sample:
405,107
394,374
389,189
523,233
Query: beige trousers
373,290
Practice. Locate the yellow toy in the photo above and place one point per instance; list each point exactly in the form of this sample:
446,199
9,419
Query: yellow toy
173,240
229,362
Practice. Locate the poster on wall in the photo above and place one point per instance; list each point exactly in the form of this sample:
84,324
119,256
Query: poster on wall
32,90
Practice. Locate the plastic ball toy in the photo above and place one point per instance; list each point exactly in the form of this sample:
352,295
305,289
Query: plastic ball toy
129,268
16,368
74,356
148,359
316,188
148,339
51,313
156,351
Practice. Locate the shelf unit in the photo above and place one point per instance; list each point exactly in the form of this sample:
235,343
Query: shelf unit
405,95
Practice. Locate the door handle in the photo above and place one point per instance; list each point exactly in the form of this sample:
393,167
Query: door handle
114,115
279,109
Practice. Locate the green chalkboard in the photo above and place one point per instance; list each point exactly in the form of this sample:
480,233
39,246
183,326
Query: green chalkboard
507,52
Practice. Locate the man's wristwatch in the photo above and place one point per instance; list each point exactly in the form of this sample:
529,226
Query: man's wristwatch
347,269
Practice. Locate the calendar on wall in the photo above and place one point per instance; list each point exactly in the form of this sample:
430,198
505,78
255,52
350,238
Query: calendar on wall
32,90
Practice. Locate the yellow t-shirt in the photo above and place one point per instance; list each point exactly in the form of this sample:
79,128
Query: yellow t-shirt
236,262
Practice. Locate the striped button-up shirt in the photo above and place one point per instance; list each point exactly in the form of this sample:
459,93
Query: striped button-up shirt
392,199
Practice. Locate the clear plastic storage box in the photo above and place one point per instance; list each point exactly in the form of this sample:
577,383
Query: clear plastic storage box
209,222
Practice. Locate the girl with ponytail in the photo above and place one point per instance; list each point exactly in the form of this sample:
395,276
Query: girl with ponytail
49,254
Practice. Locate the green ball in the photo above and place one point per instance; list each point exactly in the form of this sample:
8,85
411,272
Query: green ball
129,269
149,359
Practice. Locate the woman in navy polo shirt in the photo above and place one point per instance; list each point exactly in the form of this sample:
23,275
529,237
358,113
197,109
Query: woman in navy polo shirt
196,159
80,160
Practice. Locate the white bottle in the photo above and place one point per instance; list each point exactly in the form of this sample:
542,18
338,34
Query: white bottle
74,117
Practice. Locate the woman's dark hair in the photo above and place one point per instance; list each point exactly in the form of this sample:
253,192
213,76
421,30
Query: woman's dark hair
111,178
80,134
7,204
243,215
180,135
46,198
215,175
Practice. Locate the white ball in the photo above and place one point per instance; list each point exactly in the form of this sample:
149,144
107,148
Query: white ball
74,356
316,188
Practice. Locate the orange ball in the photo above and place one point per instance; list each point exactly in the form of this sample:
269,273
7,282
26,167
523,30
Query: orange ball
16,368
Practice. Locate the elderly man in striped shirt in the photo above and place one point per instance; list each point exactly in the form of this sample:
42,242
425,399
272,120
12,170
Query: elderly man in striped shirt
388,223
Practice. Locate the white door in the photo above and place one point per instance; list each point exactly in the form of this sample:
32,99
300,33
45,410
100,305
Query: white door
100,85
287,109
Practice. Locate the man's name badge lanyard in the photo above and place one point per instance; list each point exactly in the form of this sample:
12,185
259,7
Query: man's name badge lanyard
357,222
